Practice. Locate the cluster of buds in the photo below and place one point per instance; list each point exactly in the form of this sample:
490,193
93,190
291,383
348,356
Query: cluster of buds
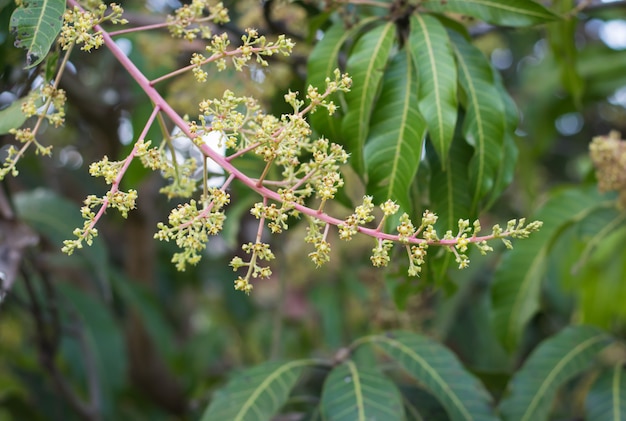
608,154
78,26
189,22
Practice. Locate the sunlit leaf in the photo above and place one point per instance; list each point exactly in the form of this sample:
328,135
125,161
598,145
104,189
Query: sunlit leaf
515,291
508,13
255,394
437,74
484,122
438,369
358,393
606,401
366,65
394,147
36,24
556,360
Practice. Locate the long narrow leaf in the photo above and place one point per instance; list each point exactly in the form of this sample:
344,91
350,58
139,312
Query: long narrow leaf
483,126
357,393
366,65
498,12
322,62
606,401
430,47
555,361
394,147
515,292
256,394
438,369
36,24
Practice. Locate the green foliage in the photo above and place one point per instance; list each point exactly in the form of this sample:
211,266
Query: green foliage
36,24
242,136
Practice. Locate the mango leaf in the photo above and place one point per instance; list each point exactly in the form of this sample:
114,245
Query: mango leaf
515,293
607,398
366,65
449,188
497,12
322,62
358,393
12,116
36,24
483,126
562,37
394,147
104,339
430,47
56,217
509,146
255,394
438,369
555,361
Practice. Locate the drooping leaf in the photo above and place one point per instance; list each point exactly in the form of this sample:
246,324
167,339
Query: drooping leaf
606,401
322,62
450,193
255,394
12,117
358,393
484,122
562,37
366,65
497,12
56,217
518,278
394,147
437,74
104,339
36,24
438,369
556,360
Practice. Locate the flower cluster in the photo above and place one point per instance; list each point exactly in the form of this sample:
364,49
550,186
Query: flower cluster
189,22
608,154
78,26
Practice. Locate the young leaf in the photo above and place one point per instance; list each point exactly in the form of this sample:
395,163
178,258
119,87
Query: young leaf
322,62
517,281
394,147
607,398
256,394
358,393
366,65
497,12
438,369
430,47
483,126
555,361
36,24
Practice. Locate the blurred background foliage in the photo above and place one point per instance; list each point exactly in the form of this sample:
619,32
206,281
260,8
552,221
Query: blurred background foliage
157,341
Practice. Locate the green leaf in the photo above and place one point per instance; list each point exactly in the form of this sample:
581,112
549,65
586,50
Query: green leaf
438,369
12,116
430,47
450,193
56,217
555,361
358,393
255,394
483,126
366,66
104,340
497,12
607,398
394,147
36,24
322,62
518,278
